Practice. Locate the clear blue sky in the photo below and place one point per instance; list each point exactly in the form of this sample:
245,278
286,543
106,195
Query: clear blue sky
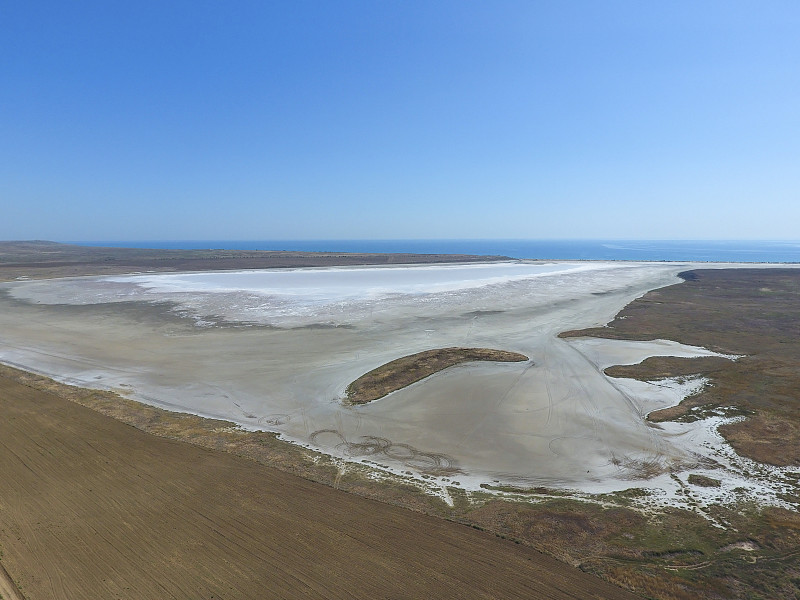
399,119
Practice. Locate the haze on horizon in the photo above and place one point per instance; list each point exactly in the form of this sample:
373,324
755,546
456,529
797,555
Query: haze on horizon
368,120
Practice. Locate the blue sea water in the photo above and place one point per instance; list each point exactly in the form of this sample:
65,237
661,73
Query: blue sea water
680,250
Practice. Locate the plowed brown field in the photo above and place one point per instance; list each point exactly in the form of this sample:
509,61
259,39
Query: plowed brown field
93,508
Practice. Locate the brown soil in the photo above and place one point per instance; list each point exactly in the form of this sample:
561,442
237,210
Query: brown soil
751,312
404,371
93,508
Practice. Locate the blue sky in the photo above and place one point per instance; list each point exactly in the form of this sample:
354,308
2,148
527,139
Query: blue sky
380,119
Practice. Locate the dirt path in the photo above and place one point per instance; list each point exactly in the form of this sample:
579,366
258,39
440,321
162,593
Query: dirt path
98,509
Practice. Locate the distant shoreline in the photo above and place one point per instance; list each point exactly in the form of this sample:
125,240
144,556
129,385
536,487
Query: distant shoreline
44,260
47,260
737,251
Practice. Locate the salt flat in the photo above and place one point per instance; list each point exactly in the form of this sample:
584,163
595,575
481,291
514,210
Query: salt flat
276,349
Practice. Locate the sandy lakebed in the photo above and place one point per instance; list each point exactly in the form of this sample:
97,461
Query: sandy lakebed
275,349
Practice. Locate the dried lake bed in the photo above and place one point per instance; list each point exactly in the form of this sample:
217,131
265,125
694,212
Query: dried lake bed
275,350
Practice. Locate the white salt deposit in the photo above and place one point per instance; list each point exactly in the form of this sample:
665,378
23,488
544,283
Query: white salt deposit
297,297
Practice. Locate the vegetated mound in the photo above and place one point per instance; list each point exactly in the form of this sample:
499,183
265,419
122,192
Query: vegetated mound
402,372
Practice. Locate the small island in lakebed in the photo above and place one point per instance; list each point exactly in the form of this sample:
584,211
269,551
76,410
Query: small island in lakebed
404,371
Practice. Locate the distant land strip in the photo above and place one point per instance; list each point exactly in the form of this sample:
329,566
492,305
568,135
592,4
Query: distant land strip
42,259
404,371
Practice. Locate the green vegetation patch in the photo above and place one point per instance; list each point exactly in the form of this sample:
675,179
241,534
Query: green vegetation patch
402,372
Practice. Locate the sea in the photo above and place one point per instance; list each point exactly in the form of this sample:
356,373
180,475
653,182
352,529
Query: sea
747,251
